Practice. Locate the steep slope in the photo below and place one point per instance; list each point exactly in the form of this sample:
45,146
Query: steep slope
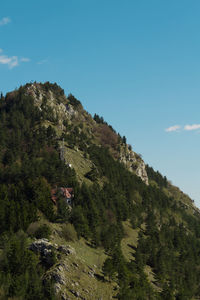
69,113
128,233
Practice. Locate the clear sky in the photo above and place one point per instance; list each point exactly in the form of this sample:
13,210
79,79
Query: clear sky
135,62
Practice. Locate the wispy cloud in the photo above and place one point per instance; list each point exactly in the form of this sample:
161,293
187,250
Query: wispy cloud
192,127
11,61
173,128
5,21
186,128
25,59
41,62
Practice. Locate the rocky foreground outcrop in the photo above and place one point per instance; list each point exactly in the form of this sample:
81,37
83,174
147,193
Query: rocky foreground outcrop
71,276
45,248
49,255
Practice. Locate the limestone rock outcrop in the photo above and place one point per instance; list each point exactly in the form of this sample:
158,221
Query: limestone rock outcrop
134,162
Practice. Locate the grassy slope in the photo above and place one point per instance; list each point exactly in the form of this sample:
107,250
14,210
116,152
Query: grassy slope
80,266
79,163
129,242
128,245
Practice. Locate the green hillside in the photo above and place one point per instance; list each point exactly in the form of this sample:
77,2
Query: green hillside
128,232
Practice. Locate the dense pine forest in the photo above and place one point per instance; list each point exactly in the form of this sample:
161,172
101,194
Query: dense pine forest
39,128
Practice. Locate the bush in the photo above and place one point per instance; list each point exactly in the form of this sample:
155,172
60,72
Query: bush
43,232
69,233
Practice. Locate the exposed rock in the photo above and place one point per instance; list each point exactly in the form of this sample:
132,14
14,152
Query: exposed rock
91,274
75,293
142,173
49,251
66,249
60,110
45,249
57,288
63,110
41,246
64,297
75,264
134,163
58,276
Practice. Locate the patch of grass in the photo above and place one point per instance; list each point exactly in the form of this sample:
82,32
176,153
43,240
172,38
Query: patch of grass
91,256
83,272
82,267
69,232
129,242
80,164
151,278
150,275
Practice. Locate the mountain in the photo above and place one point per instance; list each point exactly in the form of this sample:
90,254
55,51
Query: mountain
69,112
81,214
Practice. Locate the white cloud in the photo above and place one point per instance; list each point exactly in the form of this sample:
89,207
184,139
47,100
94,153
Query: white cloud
11,61
25,59
173,128
192,127
5,21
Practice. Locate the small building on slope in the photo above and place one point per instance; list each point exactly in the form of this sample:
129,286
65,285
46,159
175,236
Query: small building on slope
66,193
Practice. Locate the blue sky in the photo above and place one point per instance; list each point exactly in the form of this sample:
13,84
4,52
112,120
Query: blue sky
135,62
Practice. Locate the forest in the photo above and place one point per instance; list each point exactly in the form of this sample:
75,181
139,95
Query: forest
169,235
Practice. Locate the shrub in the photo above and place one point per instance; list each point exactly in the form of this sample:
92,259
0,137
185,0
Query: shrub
69,233
43,232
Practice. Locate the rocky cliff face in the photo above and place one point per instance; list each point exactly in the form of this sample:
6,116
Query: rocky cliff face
52,96
141,172
133,162
58,102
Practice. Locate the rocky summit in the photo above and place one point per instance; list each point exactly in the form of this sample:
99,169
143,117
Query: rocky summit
70,110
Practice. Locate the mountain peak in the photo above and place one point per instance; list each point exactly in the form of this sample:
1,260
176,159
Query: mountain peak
50,97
